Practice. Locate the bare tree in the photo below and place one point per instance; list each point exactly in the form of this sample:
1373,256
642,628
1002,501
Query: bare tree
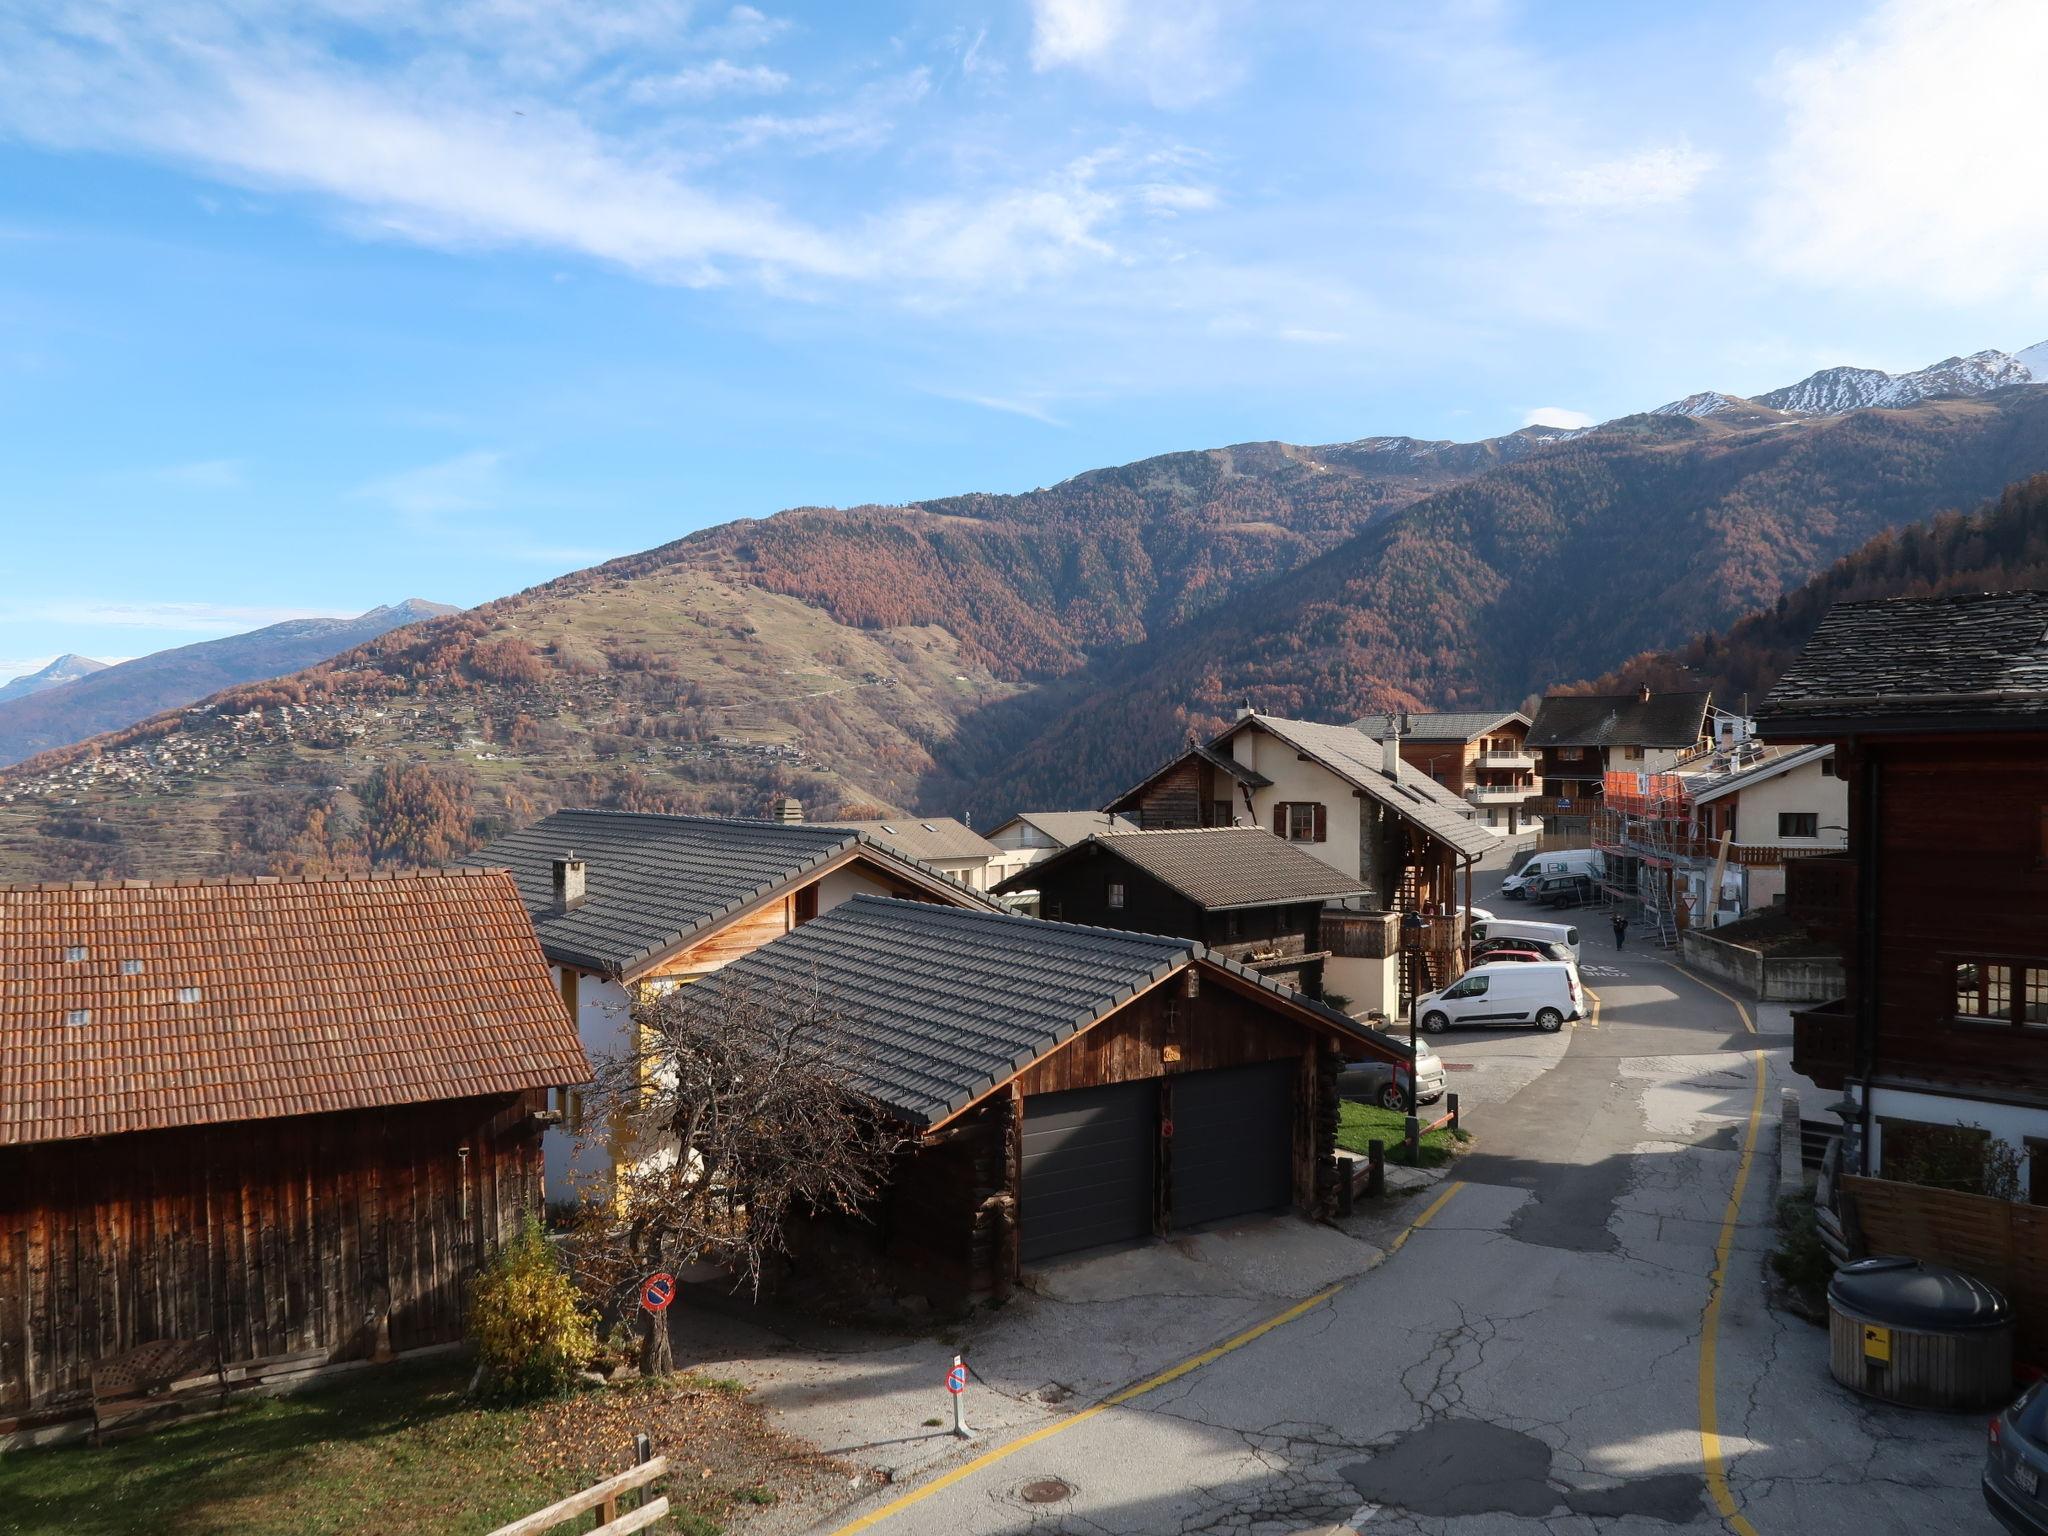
734,1111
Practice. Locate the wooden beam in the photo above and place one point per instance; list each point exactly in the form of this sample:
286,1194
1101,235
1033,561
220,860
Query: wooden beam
593,1496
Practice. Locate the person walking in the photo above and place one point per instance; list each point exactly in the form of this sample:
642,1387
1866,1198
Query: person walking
1620,931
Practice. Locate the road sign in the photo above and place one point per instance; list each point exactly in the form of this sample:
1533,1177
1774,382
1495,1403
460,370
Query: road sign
956,1379
658,1292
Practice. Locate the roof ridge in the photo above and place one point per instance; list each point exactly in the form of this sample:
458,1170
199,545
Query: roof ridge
978,914
198,882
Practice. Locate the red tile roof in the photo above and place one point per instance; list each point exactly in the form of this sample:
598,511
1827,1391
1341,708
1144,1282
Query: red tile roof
128,1006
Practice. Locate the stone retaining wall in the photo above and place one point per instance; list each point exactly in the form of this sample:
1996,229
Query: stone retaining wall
1769,978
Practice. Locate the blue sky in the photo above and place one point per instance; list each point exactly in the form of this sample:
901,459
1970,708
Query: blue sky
306,307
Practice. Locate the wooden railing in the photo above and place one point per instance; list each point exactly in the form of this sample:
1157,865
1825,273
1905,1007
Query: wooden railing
1824,1043
605,1498
1380,936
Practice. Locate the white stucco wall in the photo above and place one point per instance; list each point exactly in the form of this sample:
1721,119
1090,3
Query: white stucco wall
1804,788
845,883
2006,1122
603,1018
1366,985
1294,779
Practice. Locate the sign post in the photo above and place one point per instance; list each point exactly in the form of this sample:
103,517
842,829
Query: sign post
956,1384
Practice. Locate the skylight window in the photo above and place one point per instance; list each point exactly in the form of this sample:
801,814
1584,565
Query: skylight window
188,994
74,954
77,1017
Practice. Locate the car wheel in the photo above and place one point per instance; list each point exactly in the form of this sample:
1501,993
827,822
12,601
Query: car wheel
1434,1023
1550,1021
1391,1097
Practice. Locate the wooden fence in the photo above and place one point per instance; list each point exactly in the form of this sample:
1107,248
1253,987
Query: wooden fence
2003,1244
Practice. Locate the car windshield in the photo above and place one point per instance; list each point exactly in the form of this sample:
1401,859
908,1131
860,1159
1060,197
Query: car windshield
2030,1417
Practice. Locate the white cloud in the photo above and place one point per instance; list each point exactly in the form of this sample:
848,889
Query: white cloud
1177,197
1664,173
1176,53
698,82
21,667
1557,416
1030,409
1913,154
468,482
197,618
743,28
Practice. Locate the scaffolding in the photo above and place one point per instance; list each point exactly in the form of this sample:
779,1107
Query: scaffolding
1645,832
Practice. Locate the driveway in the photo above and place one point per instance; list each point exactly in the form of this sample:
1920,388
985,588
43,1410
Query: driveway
1530,1357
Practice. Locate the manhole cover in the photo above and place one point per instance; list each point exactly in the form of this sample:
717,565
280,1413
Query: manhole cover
1046,1490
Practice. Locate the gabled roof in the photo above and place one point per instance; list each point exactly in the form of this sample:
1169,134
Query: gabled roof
656,883
1217,868
1620,720
1068,827
1199,752
1976,659
1452,725
1712,784
941,1005
133,1007
1360,762
928,837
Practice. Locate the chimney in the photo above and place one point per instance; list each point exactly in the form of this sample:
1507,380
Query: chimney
569,871
1244,707
787,810
1390,744
1643,694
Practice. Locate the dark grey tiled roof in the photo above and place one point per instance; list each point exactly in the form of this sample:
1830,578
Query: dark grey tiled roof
1214,867
1360,761
654,881
1068,827
1452,725
939,1005
1625,720
928,837
1977,656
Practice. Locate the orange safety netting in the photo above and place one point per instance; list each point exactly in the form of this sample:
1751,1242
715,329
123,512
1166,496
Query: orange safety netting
1645,794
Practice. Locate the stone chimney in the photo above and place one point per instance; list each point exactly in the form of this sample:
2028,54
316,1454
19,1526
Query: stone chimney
1643,694
787,810
1390,744
1244,707
569,888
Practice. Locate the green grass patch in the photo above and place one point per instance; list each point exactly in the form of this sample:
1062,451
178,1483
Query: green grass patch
402,1448
1359,1124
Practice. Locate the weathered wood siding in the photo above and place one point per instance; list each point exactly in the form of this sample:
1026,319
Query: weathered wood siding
1166,1031
273,1236
734,941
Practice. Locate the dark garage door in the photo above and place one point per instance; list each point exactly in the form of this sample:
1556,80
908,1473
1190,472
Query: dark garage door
1233,1141
1088,1167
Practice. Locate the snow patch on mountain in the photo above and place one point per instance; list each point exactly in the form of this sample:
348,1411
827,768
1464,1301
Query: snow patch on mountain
1834,390
1708,402
2035,360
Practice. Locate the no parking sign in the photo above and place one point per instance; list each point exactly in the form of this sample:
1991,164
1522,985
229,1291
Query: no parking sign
658,1292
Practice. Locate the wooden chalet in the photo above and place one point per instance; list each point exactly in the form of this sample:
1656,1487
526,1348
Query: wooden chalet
1242,892
260,1120
1938,711
1577,738
627,903
1482,754
1067,1086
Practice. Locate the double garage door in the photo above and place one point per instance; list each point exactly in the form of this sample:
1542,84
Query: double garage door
1092,1155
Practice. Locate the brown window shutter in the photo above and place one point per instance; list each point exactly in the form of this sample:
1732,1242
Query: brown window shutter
1280,819
807,903
1322,823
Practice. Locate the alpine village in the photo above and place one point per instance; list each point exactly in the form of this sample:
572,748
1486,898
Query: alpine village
1461,986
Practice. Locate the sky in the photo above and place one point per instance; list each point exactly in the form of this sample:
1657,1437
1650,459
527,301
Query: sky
311,305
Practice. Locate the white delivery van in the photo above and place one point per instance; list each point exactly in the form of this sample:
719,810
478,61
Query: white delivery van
1543,866
1517,928
1504,996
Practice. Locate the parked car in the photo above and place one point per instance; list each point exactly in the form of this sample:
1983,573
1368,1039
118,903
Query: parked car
1504,995
1506,949
2016,1464
1543,866
1559,891
1519,928
1385,1083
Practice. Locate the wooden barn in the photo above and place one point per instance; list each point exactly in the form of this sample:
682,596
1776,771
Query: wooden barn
1244,893
1068,1086
261,1119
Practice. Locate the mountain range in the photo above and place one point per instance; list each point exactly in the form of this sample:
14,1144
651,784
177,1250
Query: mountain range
67,705
986,653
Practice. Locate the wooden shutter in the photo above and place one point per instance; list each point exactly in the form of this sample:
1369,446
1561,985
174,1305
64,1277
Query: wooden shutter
1280,819
807,902
1322,823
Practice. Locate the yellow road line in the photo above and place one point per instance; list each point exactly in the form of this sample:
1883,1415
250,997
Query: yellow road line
1592,1014
1710,1434
1741,1008
1117,1399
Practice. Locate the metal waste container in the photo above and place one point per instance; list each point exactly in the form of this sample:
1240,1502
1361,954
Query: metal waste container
1920,1335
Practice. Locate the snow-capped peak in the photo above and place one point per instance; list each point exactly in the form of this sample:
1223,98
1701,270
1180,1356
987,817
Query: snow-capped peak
1847,389
2035,360
1708,402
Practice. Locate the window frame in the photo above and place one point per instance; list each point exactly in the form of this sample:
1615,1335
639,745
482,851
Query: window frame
1797,817
1113,894
2025,980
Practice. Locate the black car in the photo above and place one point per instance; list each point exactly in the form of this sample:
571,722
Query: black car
1562,891
2016,1464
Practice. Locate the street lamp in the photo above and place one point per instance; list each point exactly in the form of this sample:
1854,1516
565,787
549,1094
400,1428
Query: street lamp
1411,936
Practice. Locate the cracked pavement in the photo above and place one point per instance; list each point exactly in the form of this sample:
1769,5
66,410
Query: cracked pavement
1528,1362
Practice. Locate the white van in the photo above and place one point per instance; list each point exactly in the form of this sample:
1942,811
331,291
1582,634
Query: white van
1517,928
1543,866
1516,992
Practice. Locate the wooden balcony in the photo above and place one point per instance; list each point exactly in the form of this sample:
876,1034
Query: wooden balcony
1379,936
1824,1042
1820,896
1499,794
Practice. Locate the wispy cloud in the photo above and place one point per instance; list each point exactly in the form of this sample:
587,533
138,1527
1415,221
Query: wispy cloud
1175,53
699,82
468,482
1557,416
1870,188
1662,173
1025,406
197,618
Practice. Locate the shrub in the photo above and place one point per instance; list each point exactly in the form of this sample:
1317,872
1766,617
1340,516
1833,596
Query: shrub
532,1334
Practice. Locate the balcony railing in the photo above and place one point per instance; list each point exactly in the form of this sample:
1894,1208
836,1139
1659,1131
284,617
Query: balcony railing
1824,1043
1499,794
1521,760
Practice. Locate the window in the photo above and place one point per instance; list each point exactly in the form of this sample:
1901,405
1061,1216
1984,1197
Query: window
807,903
1300,821
1220,814
1827,770
1571,754
1632,754
1116,895
1799,823
1471,986
2000,992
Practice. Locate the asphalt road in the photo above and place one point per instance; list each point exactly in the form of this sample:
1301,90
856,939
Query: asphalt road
1530,1359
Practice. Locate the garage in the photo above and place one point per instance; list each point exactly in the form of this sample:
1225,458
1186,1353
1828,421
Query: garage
1232,1149
1088,1167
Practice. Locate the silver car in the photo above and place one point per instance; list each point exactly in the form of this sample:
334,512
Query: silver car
2014,1464
1385,1083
